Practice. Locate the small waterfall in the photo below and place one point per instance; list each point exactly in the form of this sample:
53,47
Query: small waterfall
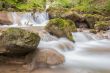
26,19
82,36
60,45
14,15
52,42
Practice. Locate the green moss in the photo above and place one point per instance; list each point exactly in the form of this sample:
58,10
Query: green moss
62,23
107,6
61,26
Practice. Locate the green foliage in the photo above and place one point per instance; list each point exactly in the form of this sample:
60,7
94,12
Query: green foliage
107,6
82,5
85,5
61,23
62,3
10,1
24,4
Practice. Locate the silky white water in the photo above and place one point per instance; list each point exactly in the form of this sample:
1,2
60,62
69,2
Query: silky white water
91,54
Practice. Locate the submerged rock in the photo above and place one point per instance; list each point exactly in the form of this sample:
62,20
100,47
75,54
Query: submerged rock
18,41
44,57
61,27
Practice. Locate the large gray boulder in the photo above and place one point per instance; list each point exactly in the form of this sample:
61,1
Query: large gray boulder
18,41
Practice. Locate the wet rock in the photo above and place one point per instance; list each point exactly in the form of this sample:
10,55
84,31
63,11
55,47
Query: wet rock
4,19
18,41
61,28
44,57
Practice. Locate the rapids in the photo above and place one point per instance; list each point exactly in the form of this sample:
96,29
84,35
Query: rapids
85,53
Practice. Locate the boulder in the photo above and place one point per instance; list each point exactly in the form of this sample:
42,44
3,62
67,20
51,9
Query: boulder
102,25
44,57
4,19
72,15
64,13
18,41
92,19
56,12
61,27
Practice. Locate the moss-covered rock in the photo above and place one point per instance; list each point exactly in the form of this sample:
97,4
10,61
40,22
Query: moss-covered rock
56,12
18,41
72,15
64,13
93,18
61,27
102,25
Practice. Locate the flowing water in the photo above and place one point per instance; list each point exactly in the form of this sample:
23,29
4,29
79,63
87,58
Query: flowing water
20,19
86,55
89,54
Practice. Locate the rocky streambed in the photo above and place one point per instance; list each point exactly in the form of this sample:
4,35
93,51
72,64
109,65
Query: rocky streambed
53,58
41,49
